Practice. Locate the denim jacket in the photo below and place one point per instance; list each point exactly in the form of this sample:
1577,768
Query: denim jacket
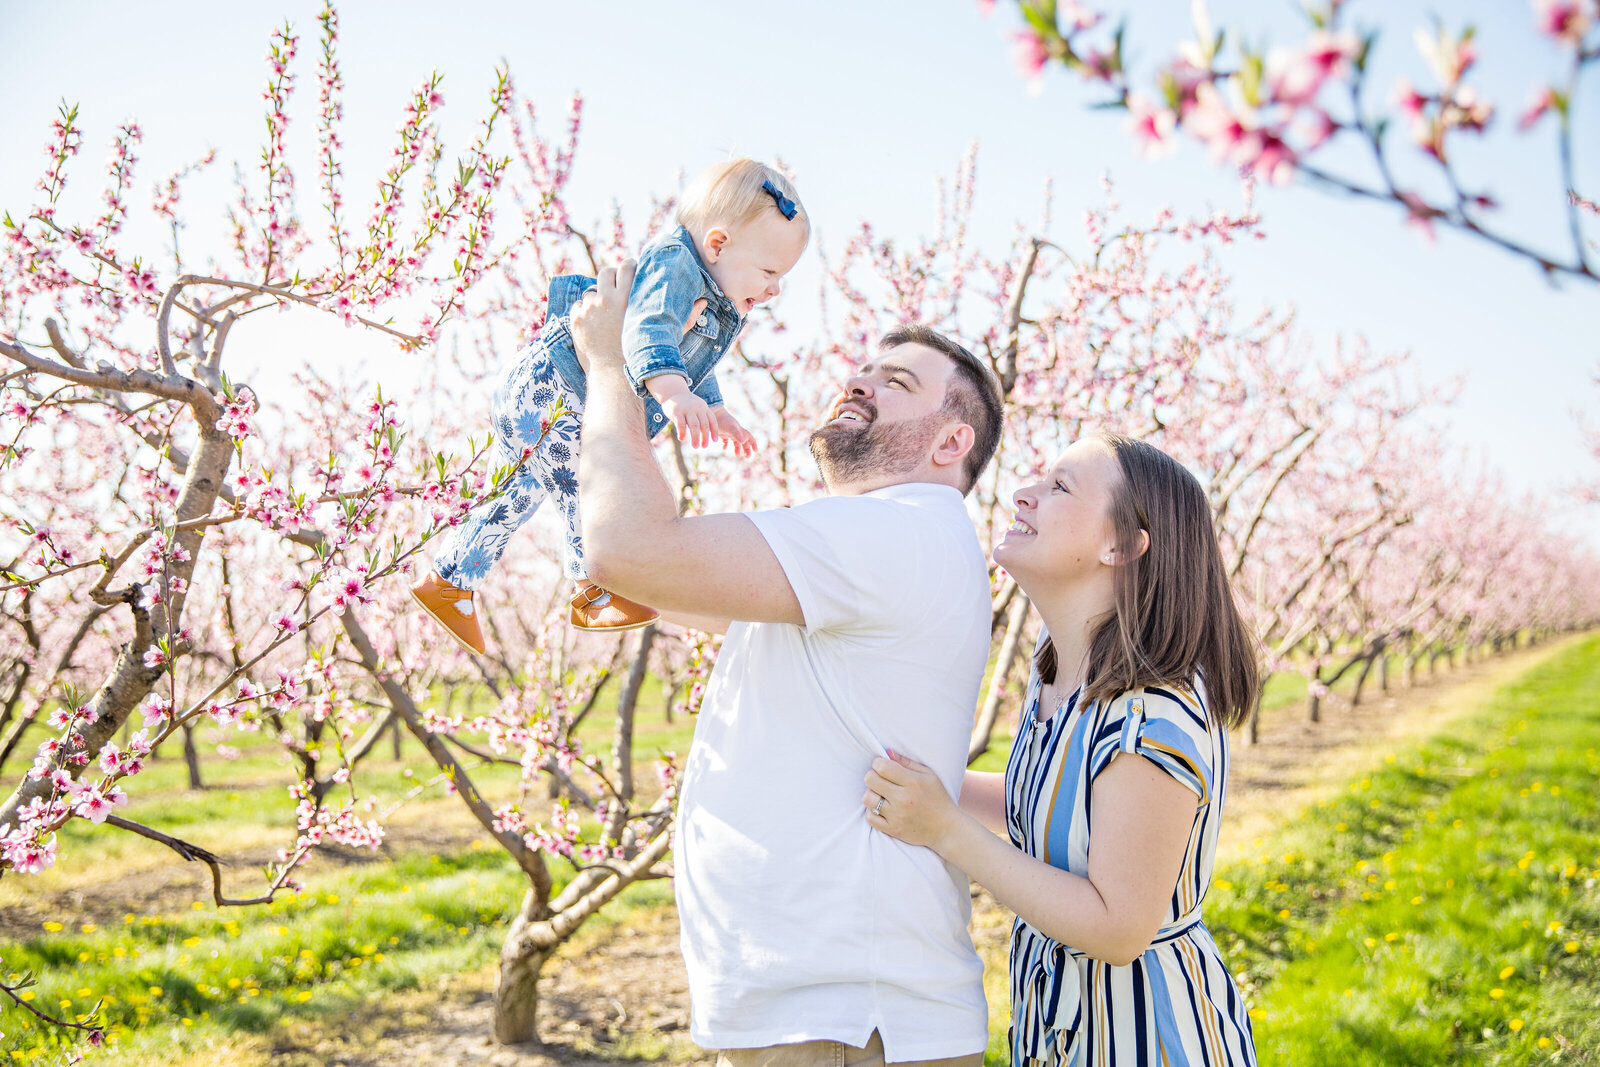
670,278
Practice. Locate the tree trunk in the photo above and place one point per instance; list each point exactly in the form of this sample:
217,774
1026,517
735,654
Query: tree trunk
1411,671
1361,679
191,757
1009,645
129,680
540,928
516,990
1313,704
1252,726
1383,672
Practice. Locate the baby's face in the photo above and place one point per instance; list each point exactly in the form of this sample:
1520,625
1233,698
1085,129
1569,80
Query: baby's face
753,258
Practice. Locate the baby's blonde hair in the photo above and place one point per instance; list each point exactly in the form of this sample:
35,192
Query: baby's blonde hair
731,194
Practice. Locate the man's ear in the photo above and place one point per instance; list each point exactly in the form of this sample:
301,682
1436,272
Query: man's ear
716,240
954,445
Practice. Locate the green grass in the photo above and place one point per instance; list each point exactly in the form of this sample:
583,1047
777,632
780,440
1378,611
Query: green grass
1328,982
175,984
1444,909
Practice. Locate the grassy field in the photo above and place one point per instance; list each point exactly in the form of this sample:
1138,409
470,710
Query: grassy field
1444,909
1441,910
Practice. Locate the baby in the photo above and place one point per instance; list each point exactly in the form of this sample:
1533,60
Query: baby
741,228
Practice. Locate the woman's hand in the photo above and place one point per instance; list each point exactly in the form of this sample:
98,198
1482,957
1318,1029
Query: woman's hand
915,807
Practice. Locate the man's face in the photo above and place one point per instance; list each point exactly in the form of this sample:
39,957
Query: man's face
886,419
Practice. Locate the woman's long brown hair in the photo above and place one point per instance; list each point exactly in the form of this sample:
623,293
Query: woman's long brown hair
1175,616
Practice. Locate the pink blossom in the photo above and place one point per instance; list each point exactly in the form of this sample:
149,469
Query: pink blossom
1408,100
1028,53
157,709
1565,20
154,658
94,805
1152,126
27,856
1448,56
1218,127
1295,77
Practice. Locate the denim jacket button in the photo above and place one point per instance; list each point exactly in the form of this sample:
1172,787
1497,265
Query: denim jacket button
704,318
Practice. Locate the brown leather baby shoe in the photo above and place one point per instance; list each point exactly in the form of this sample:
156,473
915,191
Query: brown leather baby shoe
600,611
453,608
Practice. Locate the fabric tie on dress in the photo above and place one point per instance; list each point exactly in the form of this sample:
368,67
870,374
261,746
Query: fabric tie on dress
1059,981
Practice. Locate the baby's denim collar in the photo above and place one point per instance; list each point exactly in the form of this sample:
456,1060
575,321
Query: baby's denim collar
685,238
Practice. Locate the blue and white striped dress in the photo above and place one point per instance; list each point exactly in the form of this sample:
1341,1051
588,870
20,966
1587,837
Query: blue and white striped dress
1176,1004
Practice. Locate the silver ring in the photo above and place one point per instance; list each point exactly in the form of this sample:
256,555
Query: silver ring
877,809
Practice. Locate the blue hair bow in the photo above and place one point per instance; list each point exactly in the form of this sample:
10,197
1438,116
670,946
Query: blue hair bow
786,206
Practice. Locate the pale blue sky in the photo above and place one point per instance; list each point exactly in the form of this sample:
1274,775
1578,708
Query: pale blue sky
868,102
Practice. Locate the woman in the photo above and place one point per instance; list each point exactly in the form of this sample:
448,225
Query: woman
1109,855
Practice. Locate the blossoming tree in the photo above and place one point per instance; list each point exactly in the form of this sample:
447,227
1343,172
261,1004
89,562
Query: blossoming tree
180,547
1286,111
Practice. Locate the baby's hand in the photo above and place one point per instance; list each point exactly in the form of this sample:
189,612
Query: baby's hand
731,431
691,416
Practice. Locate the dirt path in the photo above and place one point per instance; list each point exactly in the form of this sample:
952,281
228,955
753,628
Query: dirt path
626,998
621,995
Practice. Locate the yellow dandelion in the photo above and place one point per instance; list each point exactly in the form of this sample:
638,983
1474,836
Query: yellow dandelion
1571,947
1507,972
52,927
1283,913
1496,993
1543,1042
1515,1024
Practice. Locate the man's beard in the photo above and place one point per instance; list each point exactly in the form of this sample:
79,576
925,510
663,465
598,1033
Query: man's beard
849,452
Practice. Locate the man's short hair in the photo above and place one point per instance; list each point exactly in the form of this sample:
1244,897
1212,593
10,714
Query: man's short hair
972,395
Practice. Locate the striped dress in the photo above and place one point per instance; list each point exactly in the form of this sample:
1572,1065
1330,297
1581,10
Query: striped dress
1176,1004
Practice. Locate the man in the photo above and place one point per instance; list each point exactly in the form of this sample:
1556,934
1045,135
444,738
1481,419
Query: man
859,625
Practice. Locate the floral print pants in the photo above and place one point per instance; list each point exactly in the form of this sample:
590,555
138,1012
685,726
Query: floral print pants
523,395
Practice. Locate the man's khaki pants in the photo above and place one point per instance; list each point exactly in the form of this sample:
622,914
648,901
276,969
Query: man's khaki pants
830,1054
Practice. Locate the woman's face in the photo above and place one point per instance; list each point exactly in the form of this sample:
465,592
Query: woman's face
1063,531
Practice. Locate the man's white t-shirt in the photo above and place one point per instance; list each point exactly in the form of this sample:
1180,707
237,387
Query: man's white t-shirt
800,922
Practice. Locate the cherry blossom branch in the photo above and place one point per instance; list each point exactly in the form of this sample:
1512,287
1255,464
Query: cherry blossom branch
93,1031
191,852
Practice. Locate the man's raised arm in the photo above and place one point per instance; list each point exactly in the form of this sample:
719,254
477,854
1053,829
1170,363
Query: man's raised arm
708,566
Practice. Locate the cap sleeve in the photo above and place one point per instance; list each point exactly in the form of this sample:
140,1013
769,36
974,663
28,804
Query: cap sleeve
1168,728
849,560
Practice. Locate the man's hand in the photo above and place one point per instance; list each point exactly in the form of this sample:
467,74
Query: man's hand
731,431
597,319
